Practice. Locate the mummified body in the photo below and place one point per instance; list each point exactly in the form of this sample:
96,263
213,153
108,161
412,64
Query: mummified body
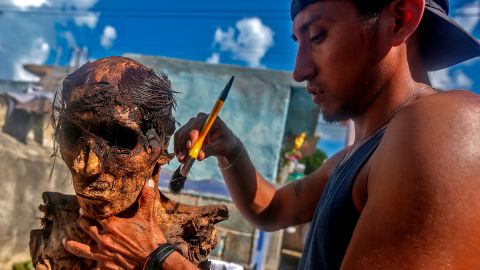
113,122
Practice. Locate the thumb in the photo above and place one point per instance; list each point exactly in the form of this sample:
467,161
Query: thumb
147,198
212,149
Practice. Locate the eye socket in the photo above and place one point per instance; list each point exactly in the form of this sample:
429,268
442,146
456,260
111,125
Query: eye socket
117,136
71,133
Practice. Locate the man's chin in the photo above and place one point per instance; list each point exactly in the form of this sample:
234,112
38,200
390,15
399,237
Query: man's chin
335,117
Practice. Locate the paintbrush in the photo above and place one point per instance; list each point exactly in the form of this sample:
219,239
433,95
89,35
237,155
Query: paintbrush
180,175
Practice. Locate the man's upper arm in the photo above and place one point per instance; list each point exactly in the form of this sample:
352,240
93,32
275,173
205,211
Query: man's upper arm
423,206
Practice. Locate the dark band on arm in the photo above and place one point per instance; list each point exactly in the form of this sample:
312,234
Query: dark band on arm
159,255
298,187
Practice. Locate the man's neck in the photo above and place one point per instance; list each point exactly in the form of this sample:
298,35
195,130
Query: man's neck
395,93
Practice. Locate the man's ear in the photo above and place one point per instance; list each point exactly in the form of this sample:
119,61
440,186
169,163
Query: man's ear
402,18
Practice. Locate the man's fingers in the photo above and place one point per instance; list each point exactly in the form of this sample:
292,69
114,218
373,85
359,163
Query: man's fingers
111,266
147,198
212,149
192,138
180,136
90,227
201,156
78,249
187,135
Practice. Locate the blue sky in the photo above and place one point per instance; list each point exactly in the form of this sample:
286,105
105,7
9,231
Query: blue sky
253,33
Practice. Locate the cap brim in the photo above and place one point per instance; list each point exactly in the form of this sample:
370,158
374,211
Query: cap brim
443,42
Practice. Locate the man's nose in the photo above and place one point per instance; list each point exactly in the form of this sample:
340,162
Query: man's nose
304,66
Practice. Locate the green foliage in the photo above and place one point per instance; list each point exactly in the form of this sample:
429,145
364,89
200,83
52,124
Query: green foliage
23,266
314,161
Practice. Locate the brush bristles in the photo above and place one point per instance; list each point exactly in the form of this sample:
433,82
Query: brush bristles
180,176
178,182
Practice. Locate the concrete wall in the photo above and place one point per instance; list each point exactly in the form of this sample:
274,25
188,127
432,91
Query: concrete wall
13,86
302,113
25,175
236,237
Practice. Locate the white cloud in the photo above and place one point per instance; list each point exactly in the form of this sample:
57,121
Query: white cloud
214,59
81,57
29,3
84,4
226,39
89,19
81,5
24,40
463,80
450,79
466,16
28,39
108,37
37,54
249,42
85,18
68,36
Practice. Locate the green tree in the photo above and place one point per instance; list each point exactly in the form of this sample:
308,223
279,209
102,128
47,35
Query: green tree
314,161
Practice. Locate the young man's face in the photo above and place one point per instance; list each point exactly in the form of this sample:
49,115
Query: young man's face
339,55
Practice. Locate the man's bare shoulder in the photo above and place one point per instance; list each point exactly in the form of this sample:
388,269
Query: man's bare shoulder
434,143
442,126
423,206
451,98
458,103
445,120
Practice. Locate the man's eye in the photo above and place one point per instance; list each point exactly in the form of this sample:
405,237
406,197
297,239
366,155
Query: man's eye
317,38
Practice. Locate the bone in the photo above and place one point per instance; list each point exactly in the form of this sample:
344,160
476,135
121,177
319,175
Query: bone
79,162
94,164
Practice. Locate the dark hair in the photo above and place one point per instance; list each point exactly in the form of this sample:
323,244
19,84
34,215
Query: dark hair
370,8
154,96
137,86
366,8
369,12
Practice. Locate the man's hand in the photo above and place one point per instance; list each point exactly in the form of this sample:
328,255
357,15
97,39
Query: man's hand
220,141
122,243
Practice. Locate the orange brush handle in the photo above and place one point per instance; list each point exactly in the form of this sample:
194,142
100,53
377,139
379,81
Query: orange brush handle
205,129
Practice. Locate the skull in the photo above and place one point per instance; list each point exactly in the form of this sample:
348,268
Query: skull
113,122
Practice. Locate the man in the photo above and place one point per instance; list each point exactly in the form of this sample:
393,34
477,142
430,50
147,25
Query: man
405,195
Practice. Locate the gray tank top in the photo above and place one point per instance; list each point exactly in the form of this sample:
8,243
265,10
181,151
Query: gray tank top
336,216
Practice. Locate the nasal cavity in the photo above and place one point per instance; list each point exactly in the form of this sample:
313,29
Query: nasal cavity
94,165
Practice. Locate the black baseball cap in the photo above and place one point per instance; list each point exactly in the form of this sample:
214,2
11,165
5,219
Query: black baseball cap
443,42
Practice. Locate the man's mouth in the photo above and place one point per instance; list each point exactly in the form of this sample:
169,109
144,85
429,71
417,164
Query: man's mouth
314,89
317,94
